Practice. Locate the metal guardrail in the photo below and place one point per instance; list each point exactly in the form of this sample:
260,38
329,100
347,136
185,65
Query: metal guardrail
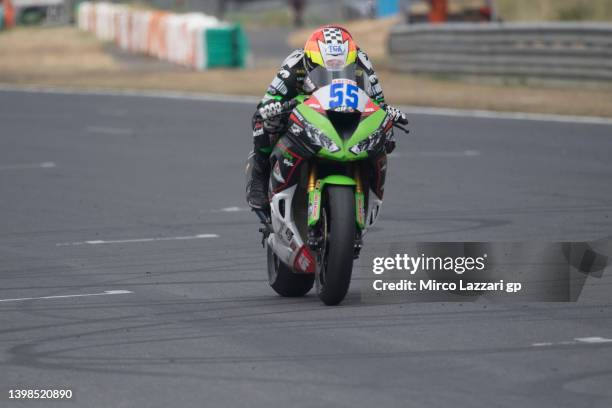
544,50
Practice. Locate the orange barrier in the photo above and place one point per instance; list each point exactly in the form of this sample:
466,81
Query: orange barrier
9,13
439,11
193,39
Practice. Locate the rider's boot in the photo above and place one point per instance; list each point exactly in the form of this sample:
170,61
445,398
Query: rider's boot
258,173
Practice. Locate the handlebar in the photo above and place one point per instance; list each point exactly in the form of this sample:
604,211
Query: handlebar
401,128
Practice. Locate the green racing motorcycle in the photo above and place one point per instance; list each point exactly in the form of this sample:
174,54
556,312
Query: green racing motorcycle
326,185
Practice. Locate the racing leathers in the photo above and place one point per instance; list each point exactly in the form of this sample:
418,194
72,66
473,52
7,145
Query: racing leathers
270,120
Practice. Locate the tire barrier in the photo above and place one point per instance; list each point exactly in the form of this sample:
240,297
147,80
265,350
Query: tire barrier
545,50
195,40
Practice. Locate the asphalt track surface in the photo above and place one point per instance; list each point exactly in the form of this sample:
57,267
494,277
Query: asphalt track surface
192,322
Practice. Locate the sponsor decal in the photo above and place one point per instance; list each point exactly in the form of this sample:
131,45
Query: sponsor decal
314,103
304,262
343,109
320,139
360,209
294,157
283,73
295,129
288,163
313,206
277,173
370,108
296,116
343,81
368,144
335,49
289,234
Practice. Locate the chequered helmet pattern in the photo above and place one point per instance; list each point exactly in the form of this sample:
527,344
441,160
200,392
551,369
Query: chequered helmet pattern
324,37
332,36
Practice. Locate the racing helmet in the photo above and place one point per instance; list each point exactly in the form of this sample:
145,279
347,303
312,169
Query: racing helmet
331,47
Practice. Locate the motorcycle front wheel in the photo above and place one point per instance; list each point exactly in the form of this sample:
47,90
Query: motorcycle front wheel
336,257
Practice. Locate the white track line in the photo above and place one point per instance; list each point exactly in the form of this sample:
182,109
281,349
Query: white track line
484,114
130,241
577,340
110,130
544,344
105,293
232,209
593,340
43,165
252,100
464,153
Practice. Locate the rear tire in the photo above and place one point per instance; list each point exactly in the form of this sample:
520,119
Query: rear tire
336,260
284,281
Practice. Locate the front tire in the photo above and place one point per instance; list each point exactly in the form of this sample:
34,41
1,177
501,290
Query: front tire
336,258
284,281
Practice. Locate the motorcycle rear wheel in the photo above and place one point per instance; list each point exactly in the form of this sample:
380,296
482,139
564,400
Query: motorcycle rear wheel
284,281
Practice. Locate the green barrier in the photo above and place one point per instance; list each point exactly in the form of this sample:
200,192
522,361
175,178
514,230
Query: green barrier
31,17
1,17
226,47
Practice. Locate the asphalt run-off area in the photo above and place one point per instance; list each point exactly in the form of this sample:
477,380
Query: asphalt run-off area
131,270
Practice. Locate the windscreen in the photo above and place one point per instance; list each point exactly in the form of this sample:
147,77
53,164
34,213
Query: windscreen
322,76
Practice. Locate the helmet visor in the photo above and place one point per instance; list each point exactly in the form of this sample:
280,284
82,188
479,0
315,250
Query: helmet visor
321,76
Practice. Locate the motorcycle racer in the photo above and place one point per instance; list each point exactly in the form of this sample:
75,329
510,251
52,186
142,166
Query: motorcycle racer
331,47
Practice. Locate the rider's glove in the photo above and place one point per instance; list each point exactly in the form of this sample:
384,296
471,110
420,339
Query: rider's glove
270,109
275,126
396,115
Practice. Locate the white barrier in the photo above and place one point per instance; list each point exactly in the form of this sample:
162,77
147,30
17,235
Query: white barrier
181,38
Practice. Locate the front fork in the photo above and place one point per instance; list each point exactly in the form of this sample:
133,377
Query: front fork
359,200
315,188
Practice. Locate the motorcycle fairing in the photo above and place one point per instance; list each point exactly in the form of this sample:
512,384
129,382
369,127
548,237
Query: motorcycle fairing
313,112
285,162
286,241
